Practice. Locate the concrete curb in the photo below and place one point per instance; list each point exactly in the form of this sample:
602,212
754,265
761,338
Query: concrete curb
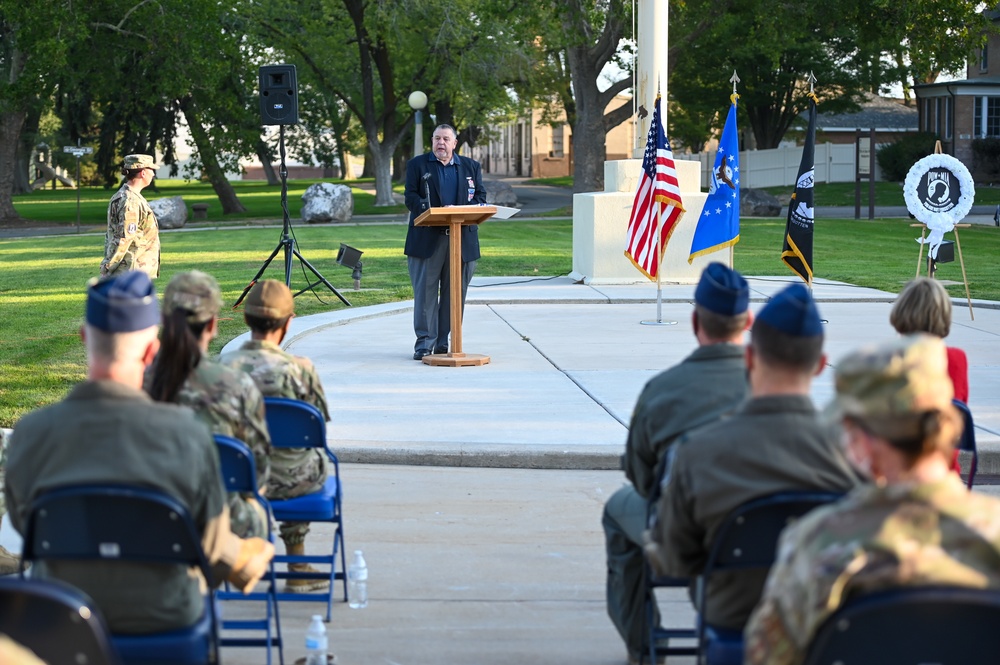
478,455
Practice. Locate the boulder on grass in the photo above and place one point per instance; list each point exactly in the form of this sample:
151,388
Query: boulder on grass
327,202
758,203
171,213
500,193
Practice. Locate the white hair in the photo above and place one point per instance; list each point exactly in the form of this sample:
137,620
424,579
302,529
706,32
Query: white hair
117,347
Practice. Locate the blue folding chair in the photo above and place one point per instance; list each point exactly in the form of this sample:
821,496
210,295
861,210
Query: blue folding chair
968,440
939,624
55,620
239,474
297,424
746,540
661,642
112,523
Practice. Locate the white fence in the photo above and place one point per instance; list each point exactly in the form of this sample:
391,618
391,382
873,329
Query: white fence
774,168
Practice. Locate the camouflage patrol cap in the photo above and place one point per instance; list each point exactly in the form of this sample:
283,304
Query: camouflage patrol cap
133,162
270,299
887,387
195,292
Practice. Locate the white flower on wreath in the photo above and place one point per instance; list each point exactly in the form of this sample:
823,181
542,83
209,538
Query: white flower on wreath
938,223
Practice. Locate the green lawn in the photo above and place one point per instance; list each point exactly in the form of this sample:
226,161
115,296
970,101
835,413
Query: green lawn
881,254
886,194
262,201
43,280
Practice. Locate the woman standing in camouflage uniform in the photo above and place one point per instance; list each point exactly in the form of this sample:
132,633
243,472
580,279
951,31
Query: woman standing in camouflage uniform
132,241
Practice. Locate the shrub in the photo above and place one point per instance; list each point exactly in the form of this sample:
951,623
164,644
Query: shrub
986,158
895,159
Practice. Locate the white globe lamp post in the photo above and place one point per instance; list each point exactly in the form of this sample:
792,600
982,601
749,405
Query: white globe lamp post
418,101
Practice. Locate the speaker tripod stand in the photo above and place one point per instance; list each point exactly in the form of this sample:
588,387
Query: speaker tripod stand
287,242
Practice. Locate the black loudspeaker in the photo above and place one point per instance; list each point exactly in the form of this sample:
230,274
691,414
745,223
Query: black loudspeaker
946,252
279,97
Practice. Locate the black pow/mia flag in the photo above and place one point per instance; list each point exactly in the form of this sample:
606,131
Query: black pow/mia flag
797,249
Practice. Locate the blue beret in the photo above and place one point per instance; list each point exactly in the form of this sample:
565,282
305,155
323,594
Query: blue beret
123,303
793,312
722,290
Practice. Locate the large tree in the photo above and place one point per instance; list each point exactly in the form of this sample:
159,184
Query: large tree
577,39
370,56
853,47
146,64
34,41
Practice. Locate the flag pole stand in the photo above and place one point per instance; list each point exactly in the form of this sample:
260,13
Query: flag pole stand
659,295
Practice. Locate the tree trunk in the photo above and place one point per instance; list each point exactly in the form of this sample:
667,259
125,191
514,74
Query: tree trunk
206,152
345,172
264,155
10,134
22,183
589,152
368,170
588,129
381,157
25,149
399,165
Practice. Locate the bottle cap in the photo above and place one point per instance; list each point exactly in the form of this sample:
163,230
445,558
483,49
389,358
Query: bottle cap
318,617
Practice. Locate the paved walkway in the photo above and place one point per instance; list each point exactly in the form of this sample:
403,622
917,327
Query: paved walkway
471,564
476,493
568,361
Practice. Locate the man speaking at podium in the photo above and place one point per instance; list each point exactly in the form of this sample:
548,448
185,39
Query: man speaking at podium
438,178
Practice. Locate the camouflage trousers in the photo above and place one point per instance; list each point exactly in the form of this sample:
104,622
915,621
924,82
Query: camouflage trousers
247,518
295,472
4,438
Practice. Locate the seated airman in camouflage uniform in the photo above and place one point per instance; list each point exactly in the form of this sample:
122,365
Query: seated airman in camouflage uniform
225,399
268,312
132,241
915,525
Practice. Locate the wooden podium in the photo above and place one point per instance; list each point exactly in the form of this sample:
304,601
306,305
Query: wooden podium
455,217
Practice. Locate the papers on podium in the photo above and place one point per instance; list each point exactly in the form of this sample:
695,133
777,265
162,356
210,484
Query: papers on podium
504,212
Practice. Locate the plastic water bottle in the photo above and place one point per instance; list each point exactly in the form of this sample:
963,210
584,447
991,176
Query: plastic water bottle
357,582
316,644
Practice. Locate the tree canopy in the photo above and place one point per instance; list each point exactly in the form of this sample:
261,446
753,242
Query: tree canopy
122,77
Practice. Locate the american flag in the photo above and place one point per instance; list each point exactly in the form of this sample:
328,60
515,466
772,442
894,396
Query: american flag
657,207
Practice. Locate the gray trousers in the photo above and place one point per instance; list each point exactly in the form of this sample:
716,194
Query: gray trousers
431,279
624,521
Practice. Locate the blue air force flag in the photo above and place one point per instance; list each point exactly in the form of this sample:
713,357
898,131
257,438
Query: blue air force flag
719,224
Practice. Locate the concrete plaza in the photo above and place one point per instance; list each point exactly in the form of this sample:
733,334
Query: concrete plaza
476,493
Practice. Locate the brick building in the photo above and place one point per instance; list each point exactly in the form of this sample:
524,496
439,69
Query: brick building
532,148
960,112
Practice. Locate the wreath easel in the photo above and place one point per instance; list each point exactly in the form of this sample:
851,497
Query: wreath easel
940,223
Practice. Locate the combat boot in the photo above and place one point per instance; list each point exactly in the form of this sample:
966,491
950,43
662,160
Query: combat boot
301,585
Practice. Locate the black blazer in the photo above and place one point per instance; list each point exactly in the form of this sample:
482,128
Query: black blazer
421,240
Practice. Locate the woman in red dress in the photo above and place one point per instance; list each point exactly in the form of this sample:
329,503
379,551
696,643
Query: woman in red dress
924,306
